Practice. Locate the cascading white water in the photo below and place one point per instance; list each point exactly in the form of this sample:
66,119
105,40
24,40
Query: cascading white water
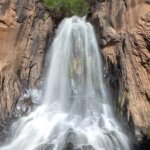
75,113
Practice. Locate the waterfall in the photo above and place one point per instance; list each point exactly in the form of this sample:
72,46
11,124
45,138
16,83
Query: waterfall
75,113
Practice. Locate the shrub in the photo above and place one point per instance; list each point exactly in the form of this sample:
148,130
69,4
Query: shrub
68,7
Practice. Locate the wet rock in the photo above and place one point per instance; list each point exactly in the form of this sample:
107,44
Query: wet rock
4,130
71,136
24,106
101,122
1,127
88,147
69,146
46,147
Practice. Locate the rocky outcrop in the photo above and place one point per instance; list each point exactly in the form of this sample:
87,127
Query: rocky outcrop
123,30
25,28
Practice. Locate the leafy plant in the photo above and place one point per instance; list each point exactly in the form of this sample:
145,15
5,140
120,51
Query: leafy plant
68,7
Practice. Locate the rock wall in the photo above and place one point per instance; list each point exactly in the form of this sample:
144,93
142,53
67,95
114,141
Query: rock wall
25,27
123,30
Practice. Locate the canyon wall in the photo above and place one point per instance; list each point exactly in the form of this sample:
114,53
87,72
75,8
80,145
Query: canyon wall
25,28
123,30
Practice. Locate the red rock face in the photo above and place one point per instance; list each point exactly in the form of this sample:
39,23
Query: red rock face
24,30
123,28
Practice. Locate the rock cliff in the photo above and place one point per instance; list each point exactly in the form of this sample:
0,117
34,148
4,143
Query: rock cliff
25,28
123,30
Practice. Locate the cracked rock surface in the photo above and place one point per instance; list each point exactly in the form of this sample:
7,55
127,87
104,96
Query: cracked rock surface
25,27
123,31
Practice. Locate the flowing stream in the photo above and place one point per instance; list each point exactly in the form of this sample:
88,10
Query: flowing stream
75,113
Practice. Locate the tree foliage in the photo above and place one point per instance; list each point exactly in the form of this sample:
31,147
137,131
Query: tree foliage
68,7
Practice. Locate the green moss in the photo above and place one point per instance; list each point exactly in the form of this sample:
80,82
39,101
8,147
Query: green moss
68,7
45,17
107,20
148,133
70,71
118,105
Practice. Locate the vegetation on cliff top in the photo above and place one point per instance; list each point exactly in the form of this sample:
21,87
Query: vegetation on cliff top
68,7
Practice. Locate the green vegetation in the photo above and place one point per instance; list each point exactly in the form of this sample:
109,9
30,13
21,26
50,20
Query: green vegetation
45,17
148,133
117,102
107,20
68,7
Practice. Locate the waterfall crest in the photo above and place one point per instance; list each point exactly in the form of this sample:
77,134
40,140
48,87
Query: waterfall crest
75,113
